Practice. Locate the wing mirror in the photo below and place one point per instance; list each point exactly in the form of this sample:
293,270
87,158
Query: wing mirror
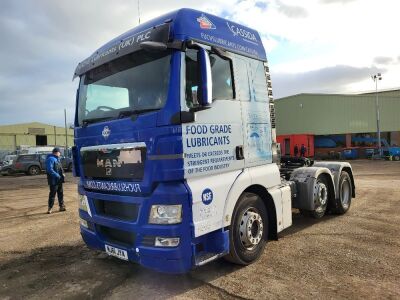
205,98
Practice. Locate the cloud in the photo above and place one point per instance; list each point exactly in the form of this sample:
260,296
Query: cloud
326,80
383,60
336,1
291,11
311,46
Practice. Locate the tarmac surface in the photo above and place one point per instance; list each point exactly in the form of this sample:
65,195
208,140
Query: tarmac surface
351,256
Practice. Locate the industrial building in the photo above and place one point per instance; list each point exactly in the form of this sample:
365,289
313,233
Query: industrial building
18,136
338,121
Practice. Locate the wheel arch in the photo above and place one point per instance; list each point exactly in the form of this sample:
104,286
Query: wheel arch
270,205
350,172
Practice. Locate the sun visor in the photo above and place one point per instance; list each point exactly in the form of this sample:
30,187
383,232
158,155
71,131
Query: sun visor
123,47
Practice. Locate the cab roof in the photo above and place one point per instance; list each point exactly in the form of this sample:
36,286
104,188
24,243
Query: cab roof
180,25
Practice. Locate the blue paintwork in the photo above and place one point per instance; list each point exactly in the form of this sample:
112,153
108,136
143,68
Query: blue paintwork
163,181
185,25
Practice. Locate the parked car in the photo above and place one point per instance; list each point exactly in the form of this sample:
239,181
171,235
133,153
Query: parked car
8,160
6,170
33,164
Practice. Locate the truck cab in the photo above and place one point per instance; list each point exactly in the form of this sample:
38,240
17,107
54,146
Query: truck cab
174,147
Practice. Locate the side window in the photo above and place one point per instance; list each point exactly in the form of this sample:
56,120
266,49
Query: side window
222,77
241,79
192,78
258,81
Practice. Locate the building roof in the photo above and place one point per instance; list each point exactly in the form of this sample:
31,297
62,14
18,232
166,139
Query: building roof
33,128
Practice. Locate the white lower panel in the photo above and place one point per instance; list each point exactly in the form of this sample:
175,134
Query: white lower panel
209,194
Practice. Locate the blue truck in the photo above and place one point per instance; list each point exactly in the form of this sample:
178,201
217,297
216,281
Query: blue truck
175,148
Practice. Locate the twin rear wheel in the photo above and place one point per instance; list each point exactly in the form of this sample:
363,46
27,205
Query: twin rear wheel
324,198
249,230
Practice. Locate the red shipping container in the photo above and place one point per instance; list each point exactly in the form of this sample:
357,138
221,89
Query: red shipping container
289,141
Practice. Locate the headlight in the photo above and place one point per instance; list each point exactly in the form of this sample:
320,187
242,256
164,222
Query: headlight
166,242
84,204
165,214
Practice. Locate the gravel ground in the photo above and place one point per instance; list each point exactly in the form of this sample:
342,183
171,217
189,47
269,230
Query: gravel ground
351,256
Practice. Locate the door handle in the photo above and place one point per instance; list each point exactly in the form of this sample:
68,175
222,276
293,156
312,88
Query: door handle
239,152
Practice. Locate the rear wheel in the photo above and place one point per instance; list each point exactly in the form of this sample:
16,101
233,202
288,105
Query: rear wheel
249,230
321,198
34,170
396,157
342,204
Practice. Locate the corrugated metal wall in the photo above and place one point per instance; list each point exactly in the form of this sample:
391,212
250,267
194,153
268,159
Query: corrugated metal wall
25,134
335,114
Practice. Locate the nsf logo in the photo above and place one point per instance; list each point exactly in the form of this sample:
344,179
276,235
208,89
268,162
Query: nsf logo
207,196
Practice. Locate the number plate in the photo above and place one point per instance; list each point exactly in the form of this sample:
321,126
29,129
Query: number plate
121,254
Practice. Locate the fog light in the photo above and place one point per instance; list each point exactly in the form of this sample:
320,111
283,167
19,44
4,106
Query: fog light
83,223
84,204
166,242
165,214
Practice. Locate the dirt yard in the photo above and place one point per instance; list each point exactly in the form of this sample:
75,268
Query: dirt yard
352,256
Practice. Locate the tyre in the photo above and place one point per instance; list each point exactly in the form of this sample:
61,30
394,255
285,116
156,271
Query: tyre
34,170
396,157
342,204
321,199
249,230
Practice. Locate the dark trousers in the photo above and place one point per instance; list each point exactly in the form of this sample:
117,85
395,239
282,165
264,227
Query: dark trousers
56,189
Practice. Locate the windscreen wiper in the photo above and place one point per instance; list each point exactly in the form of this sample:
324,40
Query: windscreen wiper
127,113
86,122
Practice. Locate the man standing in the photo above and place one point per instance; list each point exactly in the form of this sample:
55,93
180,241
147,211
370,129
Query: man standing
296,150
303,150
55,179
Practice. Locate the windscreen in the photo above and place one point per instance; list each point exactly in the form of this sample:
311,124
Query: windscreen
133,84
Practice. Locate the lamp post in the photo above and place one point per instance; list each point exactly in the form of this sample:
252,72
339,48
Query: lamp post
375,78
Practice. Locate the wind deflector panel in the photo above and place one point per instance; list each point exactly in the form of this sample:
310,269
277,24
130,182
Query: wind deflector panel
123,47
117,162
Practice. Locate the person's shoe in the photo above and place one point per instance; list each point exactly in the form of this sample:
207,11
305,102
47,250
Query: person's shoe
49,211
62,208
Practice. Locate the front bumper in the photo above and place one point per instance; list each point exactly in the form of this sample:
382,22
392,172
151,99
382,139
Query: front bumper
136,236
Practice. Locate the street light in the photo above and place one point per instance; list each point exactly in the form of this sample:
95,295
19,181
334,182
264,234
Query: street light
375,78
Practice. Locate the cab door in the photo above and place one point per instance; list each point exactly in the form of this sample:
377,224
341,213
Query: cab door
251,86
211,142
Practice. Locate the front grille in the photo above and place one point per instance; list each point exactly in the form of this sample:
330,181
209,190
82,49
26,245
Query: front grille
118,210
112,235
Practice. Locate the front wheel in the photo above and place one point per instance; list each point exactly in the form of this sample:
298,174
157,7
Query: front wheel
249,230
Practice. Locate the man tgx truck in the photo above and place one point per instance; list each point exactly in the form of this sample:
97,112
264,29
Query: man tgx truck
175,147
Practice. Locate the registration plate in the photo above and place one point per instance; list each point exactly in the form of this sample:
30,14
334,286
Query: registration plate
121,254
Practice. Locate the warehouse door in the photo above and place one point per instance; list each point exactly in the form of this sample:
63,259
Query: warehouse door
41,140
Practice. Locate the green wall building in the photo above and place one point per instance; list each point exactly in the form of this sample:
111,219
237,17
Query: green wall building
14,137
342,115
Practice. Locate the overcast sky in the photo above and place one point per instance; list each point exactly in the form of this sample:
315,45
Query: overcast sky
312,46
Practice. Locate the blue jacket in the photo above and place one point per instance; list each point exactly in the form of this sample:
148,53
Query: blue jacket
54,170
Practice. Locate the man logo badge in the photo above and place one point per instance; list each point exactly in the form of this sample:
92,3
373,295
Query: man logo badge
106,132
